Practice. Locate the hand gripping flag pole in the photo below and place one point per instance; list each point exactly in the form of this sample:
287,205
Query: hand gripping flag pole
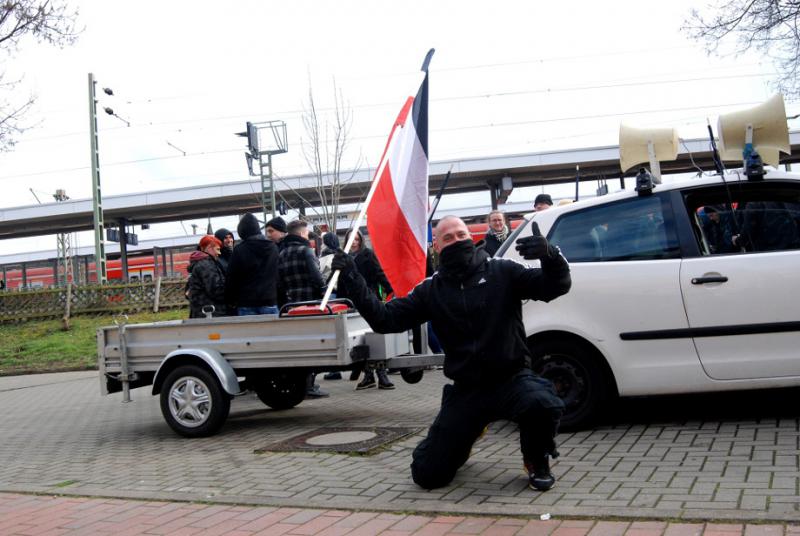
400,187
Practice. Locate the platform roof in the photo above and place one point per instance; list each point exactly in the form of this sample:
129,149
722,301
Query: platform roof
222,199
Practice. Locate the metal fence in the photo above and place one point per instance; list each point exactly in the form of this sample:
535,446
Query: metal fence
71,300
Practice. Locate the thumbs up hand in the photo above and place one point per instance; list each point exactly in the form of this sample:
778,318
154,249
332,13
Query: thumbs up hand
534,246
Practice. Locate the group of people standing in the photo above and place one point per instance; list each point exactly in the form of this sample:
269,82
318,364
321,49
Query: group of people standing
266,270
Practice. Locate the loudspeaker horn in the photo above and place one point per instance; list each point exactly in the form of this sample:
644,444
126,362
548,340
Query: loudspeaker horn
770,131
639,145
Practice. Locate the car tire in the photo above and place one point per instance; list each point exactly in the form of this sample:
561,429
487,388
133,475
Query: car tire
578,378
282,390
193,402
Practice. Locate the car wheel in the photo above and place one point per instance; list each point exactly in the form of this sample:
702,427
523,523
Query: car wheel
282,390
193,402
577,377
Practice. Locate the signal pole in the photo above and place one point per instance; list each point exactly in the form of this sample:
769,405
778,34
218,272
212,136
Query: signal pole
265,138
97,199
65,272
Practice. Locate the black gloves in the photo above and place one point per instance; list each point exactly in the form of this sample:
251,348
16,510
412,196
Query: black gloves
342,262
534,247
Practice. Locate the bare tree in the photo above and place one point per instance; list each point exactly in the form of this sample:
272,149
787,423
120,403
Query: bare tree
45,21
767,26
328,138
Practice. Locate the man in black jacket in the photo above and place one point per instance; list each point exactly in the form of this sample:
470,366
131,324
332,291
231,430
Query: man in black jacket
474,306
298,266
253,271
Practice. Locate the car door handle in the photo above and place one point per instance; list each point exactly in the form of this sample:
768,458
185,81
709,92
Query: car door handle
709,279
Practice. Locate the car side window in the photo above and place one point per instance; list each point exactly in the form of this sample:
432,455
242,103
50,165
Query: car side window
746,218
635,229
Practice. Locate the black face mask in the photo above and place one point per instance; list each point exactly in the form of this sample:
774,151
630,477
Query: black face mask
456,259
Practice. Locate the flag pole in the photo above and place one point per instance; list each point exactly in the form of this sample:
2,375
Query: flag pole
357,224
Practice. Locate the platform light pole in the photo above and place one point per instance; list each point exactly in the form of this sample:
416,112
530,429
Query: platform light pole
97,198
267,138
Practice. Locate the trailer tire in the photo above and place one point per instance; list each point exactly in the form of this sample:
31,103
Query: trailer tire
193,402
412,376
282,391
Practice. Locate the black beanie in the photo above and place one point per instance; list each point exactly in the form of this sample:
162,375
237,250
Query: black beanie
222,233
277,223
543,198
248,226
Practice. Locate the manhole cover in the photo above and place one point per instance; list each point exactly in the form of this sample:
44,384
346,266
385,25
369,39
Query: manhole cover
361,440
340,438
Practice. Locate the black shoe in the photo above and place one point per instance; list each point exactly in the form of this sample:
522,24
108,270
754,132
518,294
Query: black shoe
539,476
367,383
333,376
316,392
383,381
354,375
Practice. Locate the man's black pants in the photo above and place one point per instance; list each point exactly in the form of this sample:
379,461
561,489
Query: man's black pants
526,399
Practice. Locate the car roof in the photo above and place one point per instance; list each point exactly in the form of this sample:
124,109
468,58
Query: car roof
546,217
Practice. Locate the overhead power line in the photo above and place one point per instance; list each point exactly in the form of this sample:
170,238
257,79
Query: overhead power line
382,135
453,98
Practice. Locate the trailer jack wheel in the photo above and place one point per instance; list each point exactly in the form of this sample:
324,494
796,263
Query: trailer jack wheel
281,391
412,375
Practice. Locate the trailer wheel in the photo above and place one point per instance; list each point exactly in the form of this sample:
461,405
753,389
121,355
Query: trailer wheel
193,402
412,376
282,391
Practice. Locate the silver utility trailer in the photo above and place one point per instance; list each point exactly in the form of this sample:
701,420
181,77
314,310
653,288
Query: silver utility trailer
198,365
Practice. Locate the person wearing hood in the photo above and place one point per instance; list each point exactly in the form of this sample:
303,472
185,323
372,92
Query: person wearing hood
206,279
253,271
226,237
497,232
474,305
330,243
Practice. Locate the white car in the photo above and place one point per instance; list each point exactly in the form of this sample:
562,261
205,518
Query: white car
669,298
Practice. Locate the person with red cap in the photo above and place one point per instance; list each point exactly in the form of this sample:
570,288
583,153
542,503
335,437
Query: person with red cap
206,279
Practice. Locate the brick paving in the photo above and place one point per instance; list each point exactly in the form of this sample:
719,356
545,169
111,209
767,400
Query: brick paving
60,437
33,515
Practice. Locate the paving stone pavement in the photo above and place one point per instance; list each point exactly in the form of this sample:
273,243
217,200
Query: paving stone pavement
61,437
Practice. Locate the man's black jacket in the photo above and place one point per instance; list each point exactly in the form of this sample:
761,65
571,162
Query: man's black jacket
253,273
478,321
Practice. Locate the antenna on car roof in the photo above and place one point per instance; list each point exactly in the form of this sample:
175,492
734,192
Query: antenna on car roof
720,167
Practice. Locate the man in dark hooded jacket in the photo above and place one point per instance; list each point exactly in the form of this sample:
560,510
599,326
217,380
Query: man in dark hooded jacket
474,305
226,237
253,271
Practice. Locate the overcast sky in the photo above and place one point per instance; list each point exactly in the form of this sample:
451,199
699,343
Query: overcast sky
507,77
